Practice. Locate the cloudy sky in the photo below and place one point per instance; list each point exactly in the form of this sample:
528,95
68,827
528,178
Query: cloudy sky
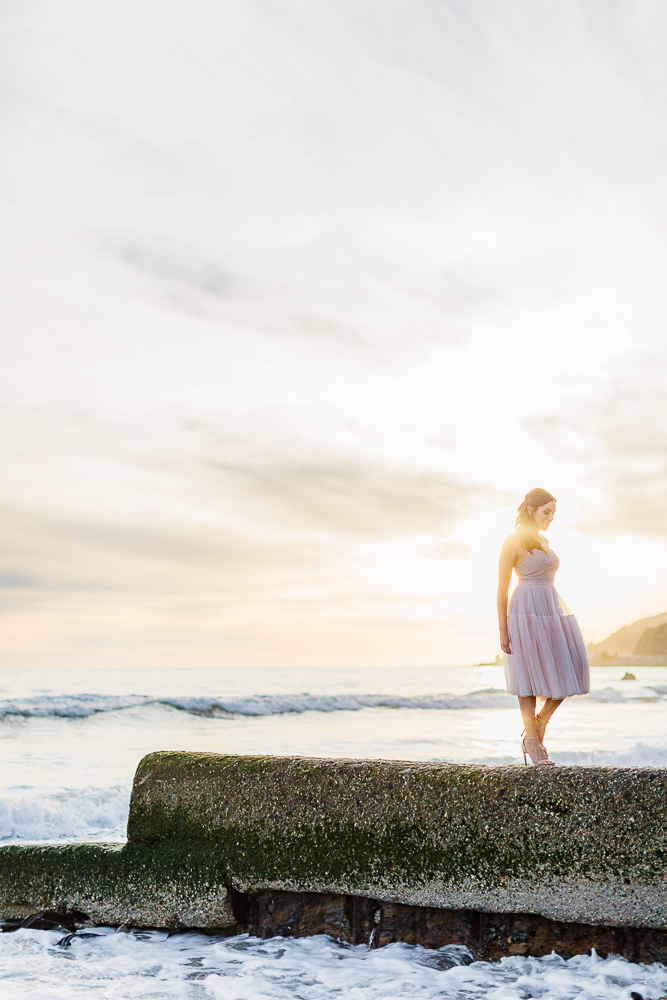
299,300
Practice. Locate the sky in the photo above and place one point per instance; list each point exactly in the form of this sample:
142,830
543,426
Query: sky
299,300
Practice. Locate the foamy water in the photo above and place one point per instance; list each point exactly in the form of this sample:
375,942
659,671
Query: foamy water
38,813
121,966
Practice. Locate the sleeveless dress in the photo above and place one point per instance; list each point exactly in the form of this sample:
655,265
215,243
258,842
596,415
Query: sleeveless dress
548,657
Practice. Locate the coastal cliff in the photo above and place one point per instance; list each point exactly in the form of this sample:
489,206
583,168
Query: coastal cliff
642,643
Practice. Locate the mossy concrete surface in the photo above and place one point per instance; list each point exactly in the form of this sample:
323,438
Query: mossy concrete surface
579,845
173,885
569,843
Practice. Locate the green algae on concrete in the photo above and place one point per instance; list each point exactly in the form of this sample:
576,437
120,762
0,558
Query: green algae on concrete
582,845
171,884
569,843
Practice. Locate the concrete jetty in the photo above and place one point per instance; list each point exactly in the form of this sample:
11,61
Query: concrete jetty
503,859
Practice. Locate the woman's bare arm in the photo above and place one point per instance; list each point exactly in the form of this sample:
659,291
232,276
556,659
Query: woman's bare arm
508,558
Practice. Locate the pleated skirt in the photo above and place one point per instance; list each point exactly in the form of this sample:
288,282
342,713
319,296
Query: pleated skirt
548,657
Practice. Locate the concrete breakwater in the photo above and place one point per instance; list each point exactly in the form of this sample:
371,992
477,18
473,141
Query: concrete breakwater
502,859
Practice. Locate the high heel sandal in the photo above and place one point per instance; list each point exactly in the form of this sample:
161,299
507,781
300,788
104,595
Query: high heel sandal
541,726
535,754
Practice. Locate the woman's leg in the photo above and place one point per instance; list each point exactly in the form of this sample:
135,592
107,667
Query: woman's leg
542,720
531,744
527,706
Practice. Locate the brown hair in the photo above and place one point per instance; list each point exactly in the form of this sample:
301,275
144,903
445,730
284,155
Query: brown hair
525,521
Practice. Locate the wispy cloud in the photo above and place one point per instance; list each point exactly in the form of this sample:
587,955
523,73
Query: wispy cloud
616,432
335,494
286,283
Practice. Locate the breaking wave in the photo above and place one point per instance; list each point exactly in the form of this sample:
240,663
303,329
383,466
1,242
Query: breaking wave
80,706
29,813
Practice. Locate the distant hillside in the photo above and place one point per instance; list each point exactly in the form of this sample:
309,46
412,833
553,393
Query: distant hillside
653,642
627,640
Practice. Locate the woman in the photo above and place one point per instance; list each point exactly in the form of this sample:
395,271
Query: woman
544,652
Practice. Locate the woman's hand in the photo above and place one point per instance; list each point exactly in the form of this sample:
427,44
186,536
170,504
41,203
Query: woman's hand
505,641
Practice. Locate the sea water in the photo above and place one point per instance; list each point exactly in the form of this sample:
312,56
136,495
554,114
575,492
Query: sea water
71,740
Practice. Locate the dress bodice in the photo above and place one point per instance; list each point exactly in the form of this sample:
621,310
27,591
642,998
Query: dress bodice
538,567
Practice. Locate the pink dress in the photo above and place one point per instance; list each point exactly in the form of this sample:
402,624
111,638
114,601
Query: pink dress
548,655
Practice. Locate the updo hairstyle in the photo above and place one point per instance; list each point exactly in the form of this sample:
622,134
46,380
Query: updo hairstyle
525,521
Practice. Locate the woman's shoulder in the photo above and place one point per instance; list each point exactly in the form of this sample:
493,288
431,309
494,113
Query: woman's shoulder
513,542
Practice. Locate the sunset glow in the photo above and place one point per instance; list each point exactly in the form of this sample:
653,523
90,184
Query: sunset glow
301,300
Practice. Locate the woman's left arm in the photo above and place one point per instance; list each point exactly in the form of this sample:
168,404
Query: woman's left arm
508,557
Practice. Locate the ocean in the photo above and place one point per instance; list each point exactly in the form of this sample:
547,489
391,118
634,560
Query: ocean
71,741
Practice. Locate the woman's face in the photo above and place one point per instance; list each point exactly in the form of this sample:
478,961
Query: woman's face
545,515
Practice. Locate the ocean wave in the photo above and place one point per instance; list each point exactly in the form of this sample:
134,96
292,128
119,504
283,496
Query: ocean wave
69,706
31,813
645,693
80,706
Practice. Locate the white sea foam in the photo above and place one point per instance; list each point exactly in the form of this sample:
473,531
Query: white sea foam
69,706
79,706
142,965
38,813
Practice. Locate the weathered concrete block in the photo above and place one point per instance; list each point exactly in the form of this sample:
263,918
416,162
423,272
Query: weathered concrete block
175,886
569,843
